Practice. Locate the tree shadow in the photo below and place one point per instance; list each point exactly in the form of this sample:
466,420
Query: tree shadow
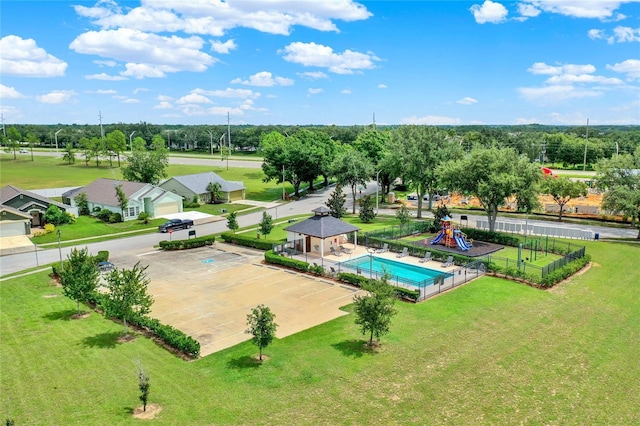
103,340
355,348
129,410
64,315
244,362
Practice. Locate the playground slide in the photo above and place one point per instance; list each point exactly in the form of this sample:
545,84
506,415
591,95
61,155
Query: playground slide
461,242
438,237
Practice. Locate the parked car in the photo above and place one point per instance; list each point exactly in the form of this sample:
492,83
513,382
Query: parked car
175,224
24,151
412,197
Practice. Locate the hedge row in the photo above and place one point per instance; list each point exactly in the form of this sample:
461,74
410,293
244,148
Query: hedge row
248,241
187,244
491,237
171,336
359,280
271,257
565,272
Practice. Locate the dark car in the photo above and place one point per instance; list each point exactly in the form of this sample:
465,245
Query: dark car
175,224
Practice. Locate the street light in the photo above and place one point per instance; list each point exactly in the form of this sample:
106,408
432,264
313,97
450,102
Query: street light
56,136
371,250
59,249
211,143
130,136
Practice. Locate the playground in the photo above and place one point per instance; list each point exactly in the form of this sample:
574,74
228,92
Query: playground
452,240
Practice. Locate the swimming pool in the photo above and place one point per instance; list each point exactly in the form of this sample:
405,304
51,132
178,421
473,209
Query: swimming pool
416,276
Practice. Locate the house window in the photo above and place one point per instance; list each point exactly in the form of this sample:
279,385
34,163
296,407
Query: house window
134,211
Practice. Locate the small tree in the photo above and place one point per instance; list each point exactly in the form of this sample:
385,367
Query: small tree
143,385
366,209
232,222
266,224
69,154
216,191
439,213
261,326
562,190
403,215
122,200
144,217
336,202
375,309
83,203
127,295
56,216
79,276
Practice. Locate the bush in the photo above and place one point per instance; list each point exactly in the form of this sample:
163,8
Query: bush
102,256
115,218
190,205
359,280
316,269
56,216
207,240
171,336
104,215
491,237
144,217
271,257
248,241
565,272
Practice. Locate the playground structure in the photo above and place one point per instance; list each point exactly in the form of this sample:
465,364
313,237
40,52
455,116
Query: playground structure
450,236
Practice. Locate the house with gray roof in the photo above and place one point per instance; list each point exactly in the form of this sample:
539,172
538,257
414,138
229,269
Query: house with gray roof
321,232
141,197
192,186
17,202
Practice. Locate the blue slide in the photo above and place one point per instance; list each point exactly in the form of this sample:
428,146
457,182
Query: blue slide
461,242
437,239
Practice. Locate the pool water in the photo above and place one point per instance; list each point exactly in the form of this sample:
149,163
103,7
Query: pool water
410,274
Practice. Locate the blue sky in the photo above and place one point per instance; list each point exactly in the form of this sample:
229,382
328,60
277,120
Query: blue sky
557,62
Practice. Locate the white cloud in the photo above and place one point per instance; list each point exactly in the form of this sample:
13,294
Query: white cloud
601,9
317,55
7,92
431,120
542,68
467,101
556,93
229,93
163,105
264,79
345,91
193,98
217,17
312,91
147,55
223,48
56,97
626,34
382,86
23,58
582,78
596,34
490,12
140,89
163,98
131,101
109,64
630,67
528,10
105,77
104,92
313,75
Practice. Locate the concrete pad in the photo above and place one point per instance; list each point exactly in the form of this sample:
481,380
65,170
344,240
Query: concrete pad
15,244
208,293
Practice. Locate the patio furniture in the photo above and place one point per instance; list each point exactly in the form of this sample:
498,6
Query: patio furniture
345,250
448,263
334,251
426,258
405,251
384,249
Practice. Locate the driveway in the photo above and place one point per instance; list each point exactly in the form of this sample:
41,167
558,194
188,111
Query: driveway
208,293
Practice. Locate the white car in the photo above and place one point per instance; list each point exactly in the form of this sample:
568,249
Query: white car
24,151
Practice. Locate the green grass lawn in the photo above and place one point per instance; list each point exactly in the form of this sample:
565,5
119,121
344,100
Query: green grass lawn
490,352
542,258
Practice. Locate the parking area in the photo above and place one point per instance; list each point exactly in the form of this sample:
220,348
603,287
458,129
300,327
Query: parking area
208,292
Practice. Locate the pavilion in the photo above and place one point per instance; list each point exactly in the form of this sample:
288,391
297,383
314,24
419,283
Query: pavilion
319,233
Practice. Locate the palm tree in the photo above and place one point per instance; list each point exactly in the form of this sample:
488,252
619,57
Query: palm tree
215,189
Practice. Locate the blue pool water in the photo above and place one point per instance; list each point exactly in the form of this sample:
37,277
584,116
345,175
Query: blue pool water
409,274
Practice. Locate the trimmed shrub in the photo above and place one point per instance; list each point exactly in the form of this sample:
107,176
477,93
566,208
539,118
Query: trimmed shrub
171,336
115,218
271,257
102,256
565,272
359,280
405,293
187,244
492,237
248,241
104,215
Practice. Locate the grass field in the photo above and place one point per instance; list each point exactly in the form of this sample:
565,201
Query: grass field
490,352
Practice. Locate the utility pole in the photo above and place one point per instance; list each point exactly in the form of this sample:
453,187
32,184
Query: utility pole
374,121
101,131
4,131
229,137
584,162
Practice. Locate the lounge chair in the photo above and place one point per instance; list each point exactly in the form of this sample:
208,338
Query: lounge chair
334,251
448,263
405,251
426,258
384,249
345,250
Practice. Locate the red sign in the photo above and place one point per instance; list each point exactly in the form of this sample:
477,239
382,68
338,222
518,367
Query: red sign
171,231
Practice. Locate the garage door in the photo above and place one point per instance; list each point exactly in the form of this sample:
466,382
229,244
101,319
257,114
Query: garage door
167,208
11,228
